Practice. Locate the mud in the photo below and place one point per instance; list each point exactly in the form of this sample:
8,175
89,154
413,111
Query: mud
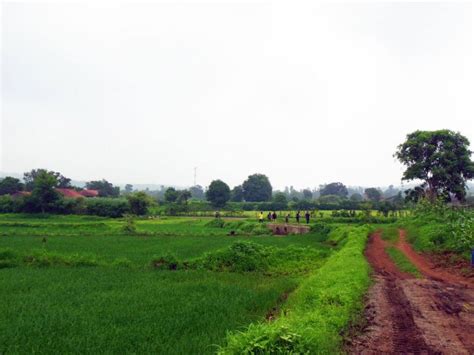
405,315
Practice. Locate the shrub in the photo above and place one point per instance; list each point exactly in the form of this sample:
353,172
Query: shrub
107,207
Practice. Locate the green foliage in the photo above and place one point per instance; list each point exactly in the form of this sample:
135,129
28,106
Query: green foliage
30,177
129,227
402,262
9,185
334,188
441,159
171,195
105,188
246,256
438,227
43,197
218,193
373,194
318,312
107,207
257,188
139,203
237,194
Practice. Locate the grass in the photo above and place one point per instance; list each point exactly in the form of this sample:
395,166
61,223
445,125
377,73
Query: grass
317,313
77,284
402,262
112,310
390,233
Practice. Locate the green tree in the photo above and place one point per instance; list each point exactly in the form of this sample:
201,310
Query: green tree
105,188
373,194
183,196
197,192
10,185
218,193
30,176
356,197
128,188
171,195
441,159
334,188
139,203
237,194
280,198
307,194
44,195
257,188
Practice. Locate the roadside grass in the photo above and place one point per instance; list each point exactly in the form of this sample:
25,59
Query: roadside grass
402,262
319,311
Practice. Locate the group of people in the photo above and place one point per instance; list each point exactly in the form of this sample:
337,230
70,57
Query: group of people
272,216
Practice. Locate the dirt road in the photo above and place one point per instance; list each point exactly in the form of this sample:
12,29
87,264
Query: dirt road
431,315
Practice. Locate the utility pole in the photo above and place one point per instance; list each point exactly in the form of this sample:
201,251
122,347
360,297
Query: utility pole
195,173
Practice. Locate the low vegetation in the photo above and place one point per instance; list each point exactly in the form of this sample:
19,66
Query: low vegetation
319,311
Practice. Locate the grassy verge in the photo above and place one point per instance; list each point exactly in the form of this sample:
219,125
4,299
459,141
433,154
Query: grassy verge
318,312
402,262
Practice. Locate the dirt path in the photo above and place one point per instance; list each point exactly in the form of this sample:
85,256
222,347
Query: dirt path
433,315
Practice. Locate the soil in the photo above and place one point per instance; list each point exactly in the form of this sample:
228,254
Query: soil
408,315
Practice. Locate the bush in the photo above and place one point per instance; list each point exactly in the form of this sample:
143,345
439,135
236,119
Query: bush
107,207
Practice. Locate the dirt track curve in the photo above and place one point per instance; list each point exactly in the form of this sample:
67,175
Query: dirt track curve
406,315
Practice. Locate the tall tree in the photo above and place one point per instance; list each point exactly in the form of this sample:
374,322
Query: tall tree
218,193
139,203
183,196
30,176
373,194
10,185
257,188
307,194
171,195
128,188
197,192
334,188
44,194
237,194
441,159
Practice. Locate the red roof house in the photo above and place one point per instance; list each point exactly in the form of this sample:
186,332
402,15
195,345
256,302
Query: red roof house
89,193
70,193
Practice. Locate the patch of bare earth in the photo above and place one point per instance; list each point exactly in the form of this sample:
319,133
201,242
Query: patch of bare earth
433,315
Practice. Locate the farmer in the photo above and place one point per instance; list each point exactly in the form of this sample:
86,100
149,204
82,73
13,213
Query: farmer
269,216
287,218
274,216
260,217
306,215
298,217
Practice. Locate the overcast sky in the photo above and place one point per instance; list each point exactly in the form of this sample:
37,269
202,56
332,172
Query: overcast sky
307,93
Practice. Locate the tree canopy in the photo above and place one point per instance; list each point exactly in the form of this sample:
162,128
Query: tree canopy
10,185
334,188
373,194
441,159
237,194
105,188
257,188
218,193
30,176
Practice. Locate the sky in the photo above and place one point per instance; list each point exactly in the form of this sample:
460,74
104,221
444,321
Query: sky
305,92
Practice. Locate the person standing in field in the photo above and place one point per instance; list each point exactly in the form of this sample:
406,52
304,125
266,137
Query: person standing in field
260,217
307,215
269,216
287,218
274,216
298,217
